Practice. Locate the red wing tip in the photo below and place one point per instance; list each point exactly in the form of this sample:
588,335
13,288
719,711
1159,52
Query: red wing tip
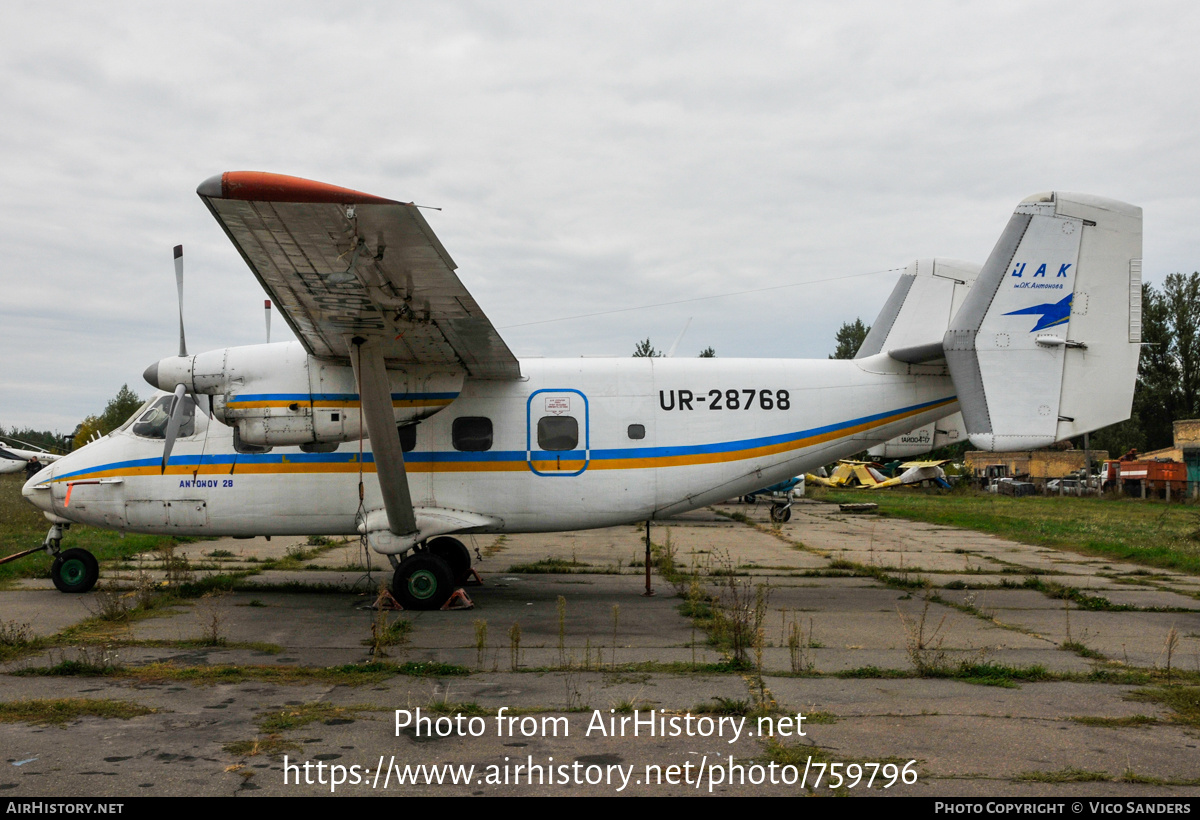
259,186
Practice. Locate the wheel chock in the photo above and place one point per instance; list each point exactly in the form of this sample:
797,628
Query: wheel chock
473,577
386,601
458,600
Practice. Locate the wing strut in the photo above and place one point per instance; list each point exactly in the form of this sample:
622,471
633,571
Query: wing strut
375,396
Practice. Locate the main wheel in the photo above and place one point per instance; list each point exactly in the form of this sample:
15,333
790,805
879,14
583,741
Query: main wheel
75,571
423,581
781,514
454,553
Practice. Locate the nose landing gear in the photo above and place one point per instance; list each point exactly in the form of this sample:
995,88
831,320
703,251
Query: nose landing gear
75,570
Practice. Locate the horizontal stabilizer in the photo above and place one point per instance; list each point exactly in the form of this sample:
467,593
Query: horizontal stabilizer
932,436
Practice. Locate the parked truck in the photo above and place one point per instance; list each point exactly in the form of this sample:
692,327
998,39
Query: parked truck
1145,478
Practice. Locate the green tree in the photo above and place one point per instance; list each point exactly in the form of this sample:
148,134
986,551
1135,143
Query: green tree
1181,293
645,350
1168,381
708,353
86,431
27,436
119,408
849,339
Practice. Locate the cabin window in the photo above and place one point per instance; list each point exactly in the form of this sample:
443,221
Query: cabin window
557,433
472,434
153,422
637,431
408,437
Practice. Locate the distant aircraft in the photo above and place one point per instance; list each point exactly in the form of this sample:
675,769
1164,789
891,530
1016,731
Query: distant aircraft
402,415
13,460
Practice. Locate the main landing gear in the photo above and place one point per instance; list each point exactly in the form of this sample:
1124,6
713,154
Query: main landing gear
431,573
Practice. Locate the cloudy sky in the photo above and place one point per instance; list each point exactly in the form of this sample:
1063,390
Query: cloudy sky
784,158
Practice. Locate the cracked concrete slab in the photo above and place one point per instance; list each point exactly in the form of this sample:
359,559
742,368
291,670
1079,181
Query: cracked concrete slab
824,592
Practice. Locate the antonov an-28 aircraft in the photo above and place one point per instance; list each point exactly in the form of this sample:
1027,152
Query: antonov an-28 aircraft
402,415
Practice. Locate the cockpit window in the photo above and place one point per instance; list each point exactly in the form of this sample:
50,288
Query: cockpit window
152,423
137,414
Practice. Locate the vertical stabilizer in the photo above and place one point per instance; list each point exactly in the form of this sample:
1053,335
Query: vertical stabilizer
1046,344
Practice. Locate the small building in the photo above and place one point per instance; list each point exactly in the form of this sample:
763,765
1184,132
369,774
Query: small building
1187,440
1038,465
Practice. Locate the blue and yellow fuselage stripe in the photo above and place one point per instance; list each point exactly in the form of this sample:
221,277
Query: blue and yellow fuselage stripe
417,461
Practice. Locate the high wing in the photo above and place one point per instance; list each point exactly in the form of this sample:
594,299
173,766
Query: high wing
341,263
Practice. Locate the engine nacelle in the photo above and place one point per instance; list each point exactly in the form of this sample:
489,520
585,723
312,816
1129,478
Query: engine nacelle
278,394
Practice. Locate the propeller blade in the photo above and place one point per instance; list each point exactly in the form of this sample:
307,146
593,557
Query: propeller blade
267,307
179,285
173,424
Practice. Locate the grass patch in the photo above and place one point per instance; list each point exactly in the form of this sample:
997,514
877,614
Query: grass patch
1151,533
298,716
1081,649
22,526
1183,701
61,711
874,672
1116,723
395,633
551,566
980,674
1095,603
1068,775
725,706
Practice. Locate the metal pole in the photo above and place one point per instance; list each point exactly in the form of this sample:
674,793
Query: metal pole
1087,460
649,589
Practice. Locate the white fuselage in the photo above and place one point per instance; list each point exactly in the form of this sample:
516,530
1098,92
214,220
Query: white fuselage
709,429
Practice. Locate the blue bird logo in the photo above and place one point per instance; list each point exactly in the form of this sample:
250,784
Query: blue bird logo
1052,313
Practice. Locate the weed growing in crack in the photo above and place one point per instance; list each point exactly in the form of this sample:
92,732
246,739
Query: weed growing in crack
212,618
480,642
924,641
616,619
561,607
514,645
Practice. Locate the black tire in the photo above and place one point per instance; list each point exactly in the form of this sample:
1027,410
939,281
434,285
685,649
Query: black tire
780,514
748,499
423,581
75,571
454,553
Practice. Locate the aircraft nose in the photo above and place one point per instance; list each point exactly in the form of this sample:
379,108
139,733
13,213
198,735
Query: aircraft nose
39,498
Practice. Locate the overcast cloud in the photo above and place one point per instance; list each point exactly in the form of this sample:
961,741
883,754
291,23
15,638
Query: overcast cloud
587,159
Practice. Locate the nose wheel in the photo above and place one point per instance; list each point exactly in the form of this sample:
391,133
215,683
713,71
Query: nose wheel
75,570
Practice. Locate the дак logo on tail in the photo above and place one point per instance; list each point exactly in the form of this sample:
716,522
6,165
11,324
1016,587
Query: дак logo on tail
1052,313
